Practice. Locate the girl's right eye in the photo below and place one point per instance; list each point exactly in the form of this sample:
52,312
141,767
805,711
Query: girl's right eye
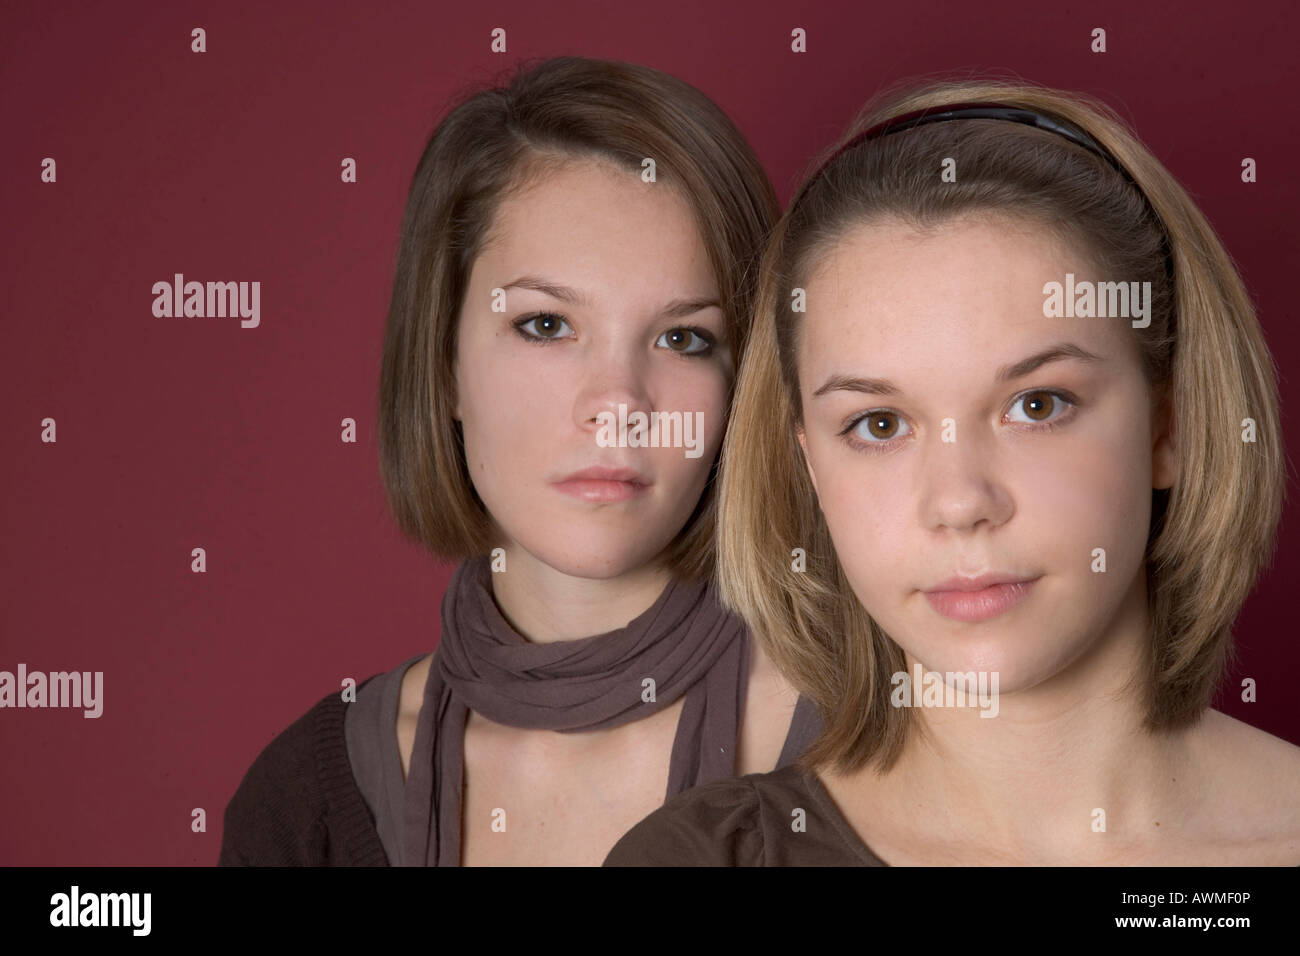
547,327
876,429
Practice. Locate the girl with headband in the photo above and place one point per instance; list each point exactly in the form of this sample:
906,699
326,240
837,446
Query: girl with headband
1021,463
577,260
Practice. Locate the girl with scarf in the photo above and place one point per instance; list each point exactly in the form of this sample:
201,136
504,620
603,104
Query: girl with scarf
578,254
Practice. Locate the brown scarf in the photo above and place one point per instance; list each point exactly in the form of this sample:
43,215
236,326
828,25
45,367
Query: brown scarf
686,641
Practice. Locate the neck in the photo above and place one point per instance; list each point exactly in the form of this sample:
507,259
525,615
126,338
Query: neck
547,605
1026,784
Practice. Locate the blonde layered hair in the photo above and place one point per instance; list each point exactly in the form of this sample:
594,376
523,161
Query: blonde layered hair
1203,355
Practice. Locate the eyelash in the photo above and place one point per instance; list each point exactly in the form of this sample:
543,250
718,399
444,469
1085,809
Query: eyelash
880,446
703,334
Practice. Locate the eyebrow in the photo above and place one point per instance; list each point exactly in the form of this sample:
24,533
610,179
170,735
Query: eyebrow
1007,373
676,309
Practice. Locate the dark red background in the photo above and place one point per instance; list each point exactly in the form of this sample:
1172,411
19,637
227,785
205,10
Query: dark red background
177,433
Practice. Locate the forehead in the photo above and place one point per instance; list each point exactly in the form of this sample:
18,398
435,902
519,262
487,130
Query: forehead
889,296
587,221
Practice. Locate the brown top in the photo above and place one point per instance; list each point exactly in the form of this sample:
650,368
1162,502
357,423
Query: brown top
302,800
298,804
377,765
782,818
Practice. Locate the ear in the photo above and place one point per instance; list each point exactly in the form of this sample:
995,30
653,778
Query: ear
1164,447
803,445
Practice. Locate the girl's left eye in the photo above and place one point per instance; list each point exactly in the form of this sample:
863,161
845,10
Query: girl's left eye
677,339
1041,405
546,327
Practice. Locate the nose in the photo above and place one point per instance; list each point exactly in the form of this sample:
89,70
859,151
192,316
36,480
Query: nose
611,379
961,485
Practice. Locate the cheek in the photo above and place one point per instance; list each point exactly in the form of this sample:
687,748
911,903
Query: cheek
1092,489
701,398
509,408
871,520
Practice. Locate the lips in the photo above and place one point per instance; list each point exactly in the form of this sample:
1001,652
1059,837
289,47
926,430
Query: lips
599,473
600,485
960,583
980,598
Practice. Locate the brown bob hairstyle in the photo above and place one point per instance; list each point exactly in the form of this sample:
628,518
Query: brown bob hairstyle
1203,355
493,144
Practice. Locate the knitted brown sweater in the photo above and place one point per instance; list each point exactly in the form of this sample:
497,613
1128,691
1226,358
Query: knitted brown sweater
299,805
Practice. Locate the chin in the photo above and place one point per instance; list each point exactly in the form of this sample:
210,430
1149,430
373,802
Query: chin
590,553
1020,659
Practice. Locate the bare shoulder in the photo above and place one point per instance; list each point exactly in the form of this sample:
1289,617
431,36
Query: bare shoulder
1253,780
408,708
413,687
1252,752
769,707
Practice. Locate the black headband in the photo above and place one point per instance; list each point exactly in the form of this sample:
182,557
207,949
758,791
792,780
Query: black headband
1015,114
